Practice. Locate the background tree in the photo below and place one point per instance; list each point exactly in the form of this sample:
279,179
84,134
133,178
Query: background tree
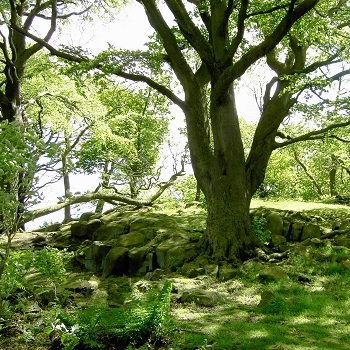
125,144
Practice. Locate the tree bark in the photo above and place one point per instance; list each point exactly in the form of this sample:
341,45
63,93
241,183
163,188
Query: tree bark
67,192
332,176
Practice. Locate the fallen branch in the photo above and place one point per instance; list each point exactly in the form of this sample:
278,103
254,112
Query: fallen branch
109,198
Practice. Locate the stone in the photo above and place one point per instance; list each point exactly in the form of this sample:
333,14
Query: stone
202,297
137,257
156,275
175,257
94,255
277,240
149,264
109,231
343,240
86,216
142,223
92,226
274,223
310,231
226,273
162,248
295,231
39,240
78,229
302,251
116,262
266,297
316,243
211,270
341,225
274,273
345,264
131,240
85,229
193,273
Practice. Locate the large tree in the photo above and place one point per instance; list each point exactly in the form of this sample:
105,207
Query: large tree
226,51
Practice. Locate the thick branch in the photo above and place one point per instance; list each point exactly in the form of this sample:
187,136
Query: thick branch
160,88
181,68
261,50
190,31
311,135
109,198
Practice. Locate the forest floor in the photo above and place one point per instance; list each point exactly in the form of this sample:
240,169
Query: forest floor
309,309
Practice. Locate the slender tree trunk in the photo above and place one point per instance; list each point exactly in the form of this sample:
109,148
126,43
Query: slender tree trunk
309,175
67,192
106,176
332,176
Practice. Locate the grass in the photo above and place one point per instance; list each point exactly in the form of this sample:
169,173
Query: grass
301,315
297,205
308,314
308,317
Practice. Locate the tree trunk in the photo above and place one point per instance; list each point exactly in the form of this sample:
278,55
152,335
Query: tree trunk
67,192
106,176
223,179
229,234
332,177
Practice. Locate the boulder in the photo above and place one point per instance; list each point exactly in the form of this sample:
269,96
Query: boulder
343,240
87,216
226,273
202,297
94,255
116,262
175,257
85,229
212,270
111,230
345,264
142,223
162,248
274,223
266,297
310,231
295,231
316,243
137,257
274,273
277,240
131,240
150,264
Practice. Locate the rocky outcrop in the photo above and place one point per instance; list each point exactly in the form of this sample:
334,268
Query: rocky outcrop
141,242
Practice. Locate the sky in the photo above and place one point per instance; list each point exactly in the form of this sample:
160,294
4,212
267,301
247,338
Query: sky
130,30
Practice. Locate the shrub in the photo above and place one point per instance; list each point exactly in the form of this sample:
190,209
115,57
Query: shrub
95,327
258,226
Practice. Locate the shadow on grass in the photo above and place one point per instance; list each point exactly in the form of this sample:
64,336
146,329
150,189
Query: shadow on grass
313,316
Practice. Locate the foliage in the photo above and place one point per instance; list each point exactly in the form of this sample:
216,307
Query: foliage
13,278
258,226
124,145
97,326
49,262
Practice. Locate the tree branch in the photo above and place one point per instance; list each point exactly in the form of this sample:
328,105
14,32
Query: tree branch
190,31
270,42
313,135
110,198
